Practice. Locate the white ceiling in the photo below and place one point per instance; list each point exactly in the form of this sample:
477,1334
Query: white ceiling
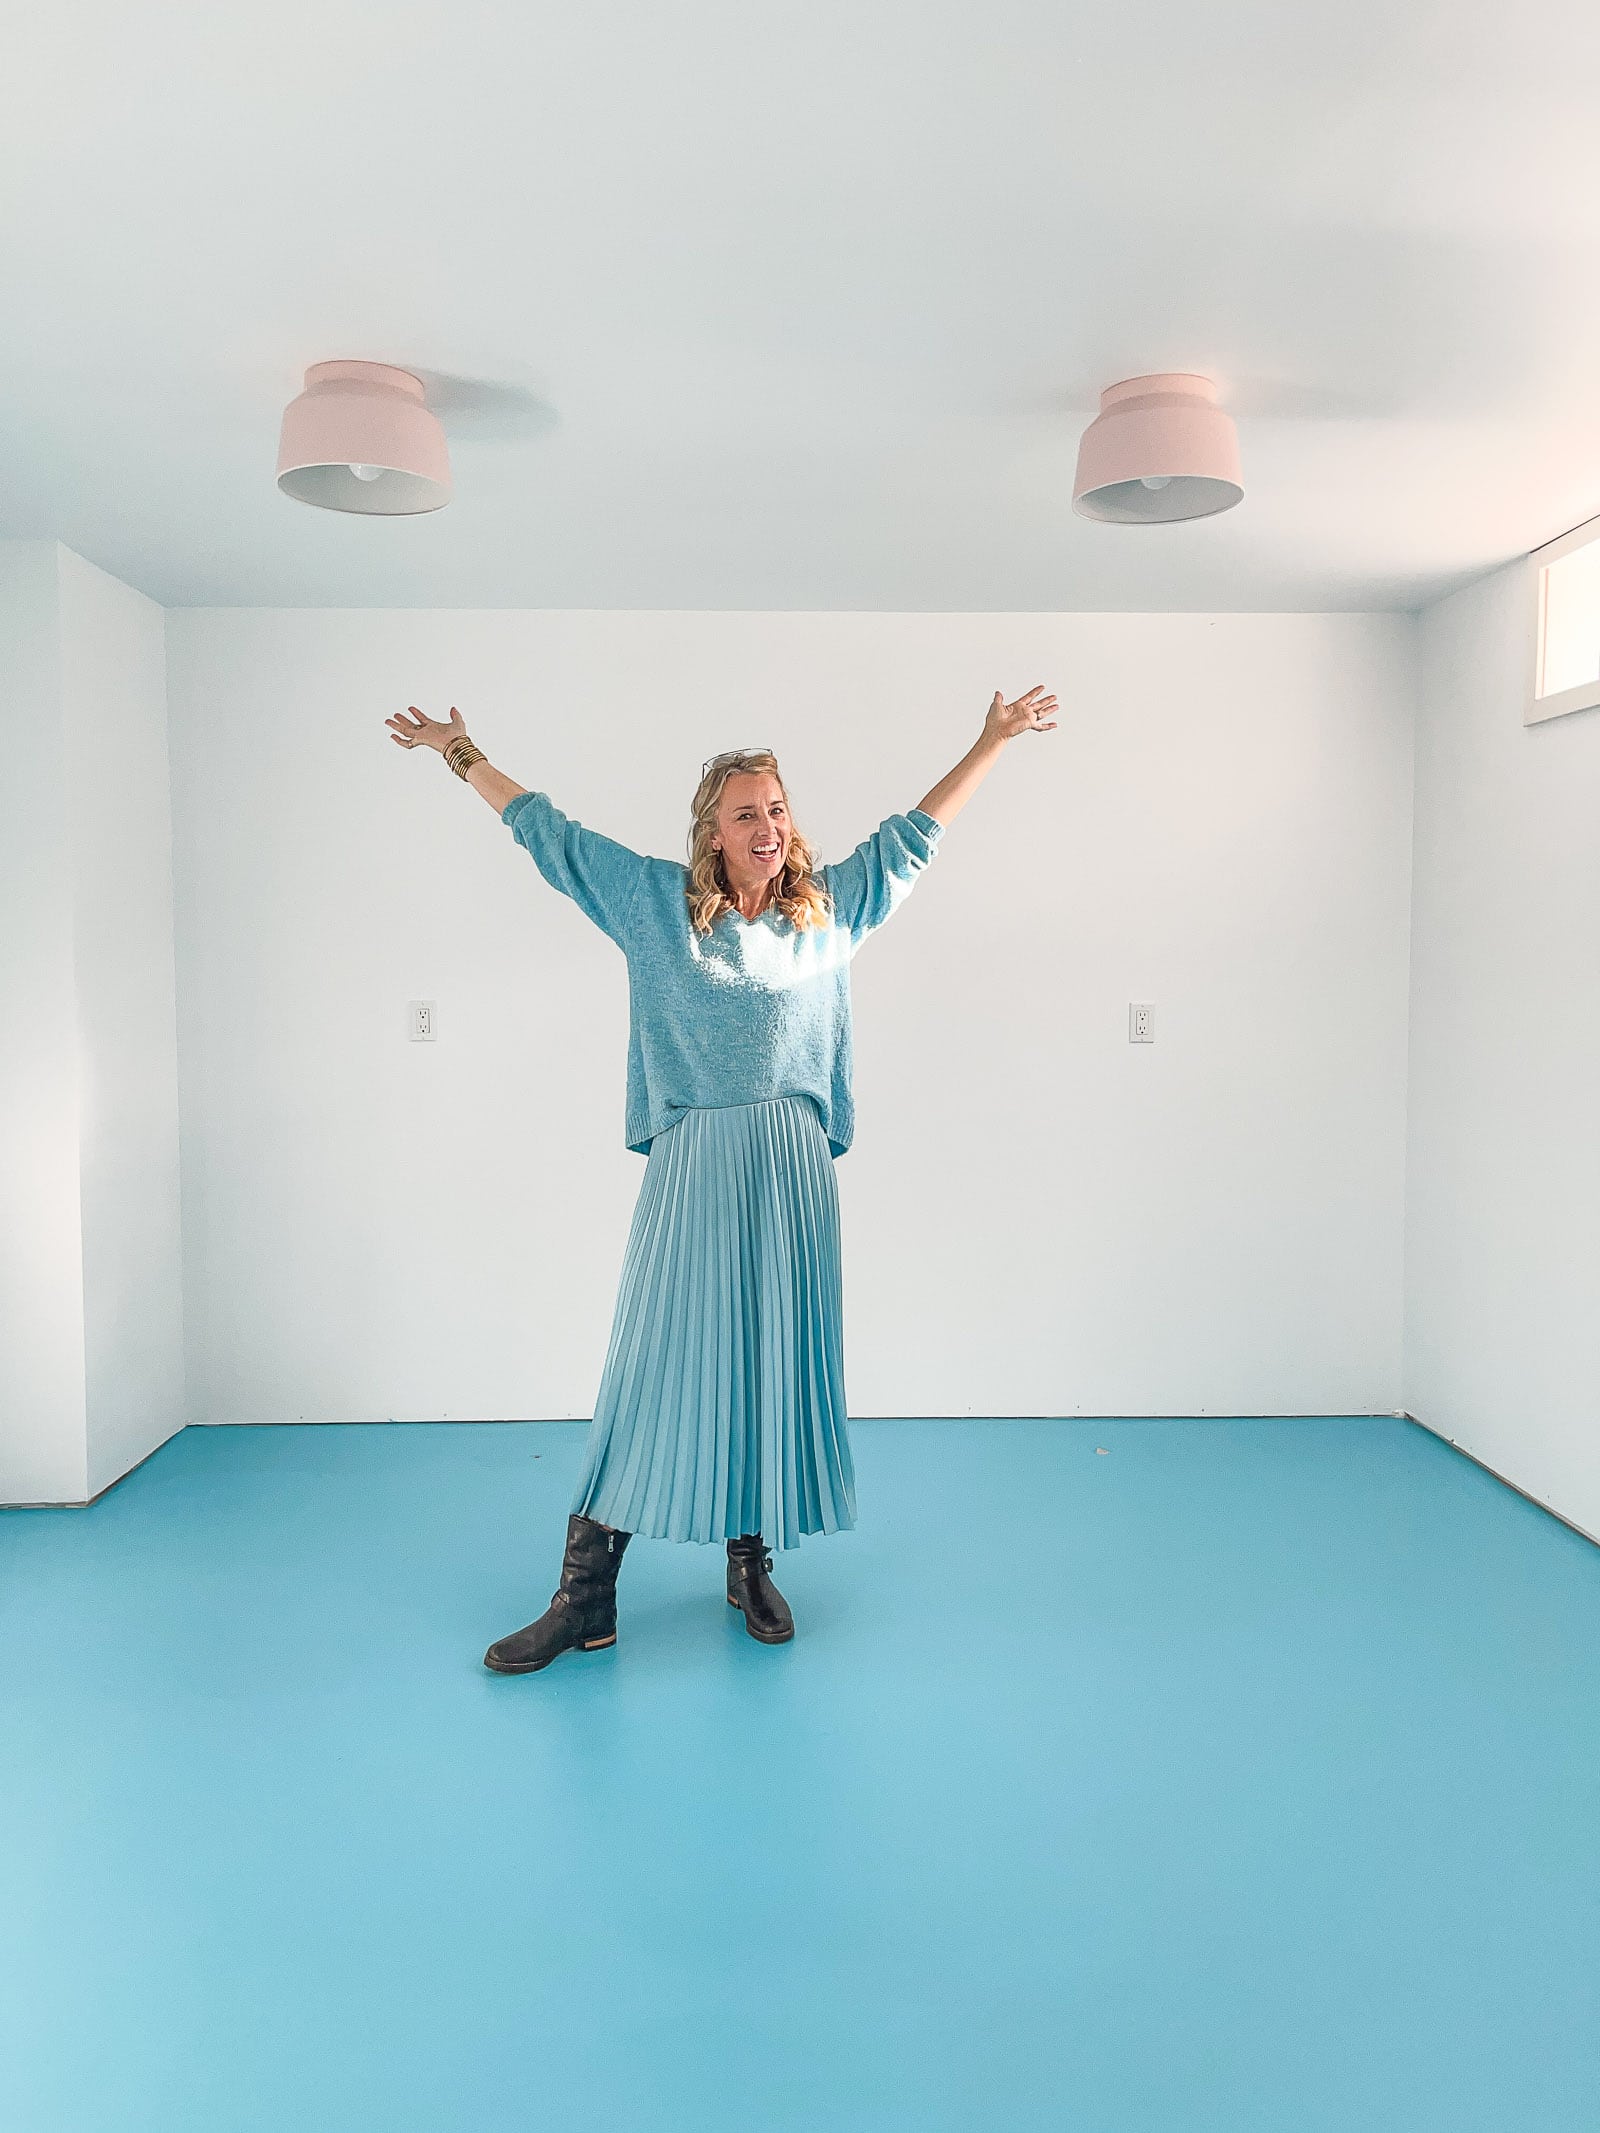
737,305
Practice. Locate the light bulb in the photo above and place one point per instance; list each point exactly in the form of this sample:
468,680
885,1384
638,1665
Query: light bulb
365,473
1146,481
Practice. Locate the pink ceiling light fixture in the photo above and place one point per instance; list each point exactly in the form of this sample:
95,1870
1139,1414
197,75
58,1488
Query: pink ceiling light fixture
1160,449
360,438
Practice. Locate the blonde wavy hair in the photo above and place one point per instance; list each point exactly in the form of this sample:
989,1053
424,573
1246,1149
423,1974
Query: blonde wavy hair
798,895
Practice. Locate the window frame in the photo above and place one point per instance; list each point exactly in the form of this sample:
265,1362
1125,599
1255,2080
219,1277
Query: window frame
1584,695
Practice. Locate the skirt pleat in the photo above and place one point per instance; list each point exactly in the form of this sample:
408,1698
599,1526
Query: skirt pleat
721,1406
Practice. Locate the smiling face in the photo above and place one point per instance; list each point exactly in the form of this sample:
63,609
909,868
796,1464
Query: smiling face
752,830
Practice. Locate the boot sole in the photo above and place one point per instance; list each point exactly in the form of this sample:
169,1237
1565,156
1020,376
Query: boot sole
537,1666
784,1636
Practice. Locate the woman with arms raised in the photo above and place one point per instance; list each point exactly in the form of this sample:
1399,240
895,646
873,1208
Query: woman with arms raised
721,1409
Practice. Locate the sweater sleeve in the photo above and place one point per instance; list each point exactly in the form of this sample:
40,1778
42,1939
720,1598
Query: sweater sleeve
880,873
600,876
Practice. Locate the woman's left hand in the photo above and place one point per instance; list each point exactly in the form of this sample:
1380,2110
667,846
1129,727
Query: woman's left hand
1033,713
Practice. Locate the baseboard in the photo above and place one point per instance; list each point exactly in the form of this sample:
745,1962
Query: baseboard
380,1421
1505,1481
82,1503
1398,1414
1189,1414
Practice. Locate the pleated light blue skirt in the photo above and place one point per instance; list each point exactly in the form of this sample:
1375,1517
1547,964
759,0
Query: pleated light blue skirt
721,1407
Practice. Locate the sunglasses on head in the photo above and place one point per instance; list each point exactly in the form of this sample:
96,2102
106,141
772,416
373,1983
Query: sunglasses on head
730,755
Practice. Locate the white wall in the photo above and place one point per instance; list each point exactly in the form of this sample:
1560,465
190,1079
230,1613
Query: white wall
1503,1230
1040,1218
43,1440
90,1255
113,693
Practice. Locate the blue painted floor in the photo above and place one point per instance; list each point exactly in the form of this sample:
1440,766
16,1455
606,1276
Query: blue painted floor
1244,1777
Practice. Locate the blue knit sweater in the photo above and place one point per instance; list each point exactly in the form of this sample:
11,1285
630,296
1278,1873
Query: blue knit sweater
755,1008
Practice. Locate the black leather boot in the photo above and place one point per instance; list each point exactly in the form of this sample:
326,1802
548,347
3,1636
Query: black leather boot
766,1611
582,1615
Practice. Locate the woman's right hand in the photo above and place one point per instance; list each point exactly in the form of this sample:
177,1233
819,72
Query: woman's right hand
425,732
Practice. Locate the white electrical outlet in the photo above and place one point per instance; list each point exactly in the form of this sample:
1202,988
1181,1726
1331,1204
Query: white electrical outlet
1141,1022
422,1021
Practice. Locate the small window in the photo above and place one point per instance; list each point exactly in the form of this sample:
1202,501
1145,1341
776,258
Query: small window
1567,588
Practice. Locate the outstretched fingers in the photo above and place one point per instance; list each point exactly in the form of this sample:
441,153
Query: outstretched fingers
1038,707
402,729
